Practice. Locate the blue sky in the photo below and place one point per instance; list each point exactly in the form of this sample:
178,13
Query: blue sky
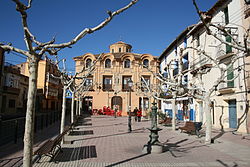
149,26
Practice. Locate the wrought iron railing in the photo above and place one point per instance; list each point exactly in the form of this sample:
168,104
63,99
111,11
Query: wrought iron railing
13,129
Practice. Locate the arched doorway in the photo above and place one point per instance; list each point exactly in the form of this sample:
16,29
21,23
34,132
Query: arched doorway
116,101
87,104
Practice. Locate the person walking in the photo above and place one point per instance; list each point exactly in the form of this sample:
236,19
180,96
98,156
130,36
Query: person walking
139,115
135,113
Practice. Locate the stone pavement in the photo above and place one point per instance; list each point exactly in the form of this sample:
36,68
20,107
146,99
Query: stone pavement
103,141
11,154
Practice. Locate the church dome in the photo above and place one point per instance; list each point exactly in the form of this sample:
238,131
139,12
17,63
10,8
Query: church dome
120,47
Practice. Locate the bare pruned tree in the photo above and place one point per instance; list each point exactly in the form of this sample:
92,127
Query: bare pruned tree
35,49
197,89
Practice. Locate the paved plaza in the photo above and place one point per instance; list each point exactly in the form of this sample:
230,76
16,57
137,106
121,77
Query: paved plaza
100,141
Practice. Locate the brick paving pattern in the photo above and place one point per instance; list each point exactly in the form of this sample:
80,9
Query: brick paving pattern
100,141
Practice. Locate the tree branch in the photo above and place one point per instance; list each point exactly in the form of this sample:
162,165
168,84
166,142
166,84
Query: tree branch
88,30
11,48
21,8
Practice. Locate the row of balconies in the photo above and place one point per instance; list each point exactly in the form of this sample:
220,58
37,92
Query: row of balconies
185,67
125,87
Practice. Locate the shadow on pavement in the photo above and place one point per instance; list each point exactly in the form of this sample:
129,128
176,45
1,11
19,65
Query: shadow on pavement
74,154
225,165
222,132
126,160
108,125
140,130
171,147
13,162
176,148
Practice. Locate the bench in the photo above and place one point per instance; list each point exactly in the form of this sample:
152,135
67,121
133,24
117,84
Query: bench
192,127
166,121
49,147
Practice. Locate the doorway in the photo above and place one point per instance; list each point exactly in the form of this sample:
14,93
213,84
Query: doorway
116,102
232,114
87,104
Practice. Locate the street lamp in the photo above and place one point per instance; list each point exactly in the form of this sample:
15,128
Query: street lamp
130,84
115,104
153,145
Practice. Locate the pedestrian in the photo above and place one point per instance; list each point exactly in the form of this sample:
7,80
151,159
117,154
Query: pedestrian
135,113
139,115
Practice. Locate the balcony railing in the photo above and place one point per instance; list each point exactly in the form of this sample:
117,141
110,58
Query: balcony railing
52,80
175,71
197,63
11,90
107,87
125,87
11,68
225,88
185,66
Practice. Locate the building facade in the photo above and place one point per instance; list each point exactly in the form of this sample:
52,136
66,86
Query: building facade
169,67
229,98
245,5
49,89
15,90
109,82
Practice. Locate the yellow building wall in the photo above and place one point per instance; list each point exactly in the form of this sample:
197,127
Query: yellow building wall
103,98
41,74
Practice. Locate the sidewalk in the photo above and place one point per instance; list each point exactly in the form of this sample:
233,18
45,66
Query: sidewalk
12,154
104,141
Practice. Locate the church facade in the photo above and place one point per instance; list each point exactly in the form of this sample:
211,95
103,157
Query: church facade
108,85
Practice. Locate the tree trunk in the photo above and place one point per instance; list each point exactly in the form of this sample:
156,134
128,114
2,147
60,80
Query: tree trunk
207,109
72,106
63,109
174,112
77,113
30,113
80,106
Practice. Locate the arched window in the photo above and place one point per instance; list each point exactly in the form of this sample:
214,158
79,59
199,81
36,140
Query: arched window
145,63
127,63
88,63
107,63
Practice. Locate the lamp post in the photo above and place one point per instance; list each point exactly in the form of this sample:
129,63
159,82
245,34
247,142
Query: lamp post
108,98
130,84
153,145
115,104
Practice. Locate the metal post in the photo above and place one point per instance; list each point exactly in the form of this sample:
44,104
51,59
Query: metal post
153,145
108,97
174,111
80,106
115,104
130,84
129,112
77,104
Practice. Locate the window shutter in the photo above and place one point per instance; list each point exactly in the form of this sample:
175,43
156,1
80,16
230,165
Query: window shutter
230,75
